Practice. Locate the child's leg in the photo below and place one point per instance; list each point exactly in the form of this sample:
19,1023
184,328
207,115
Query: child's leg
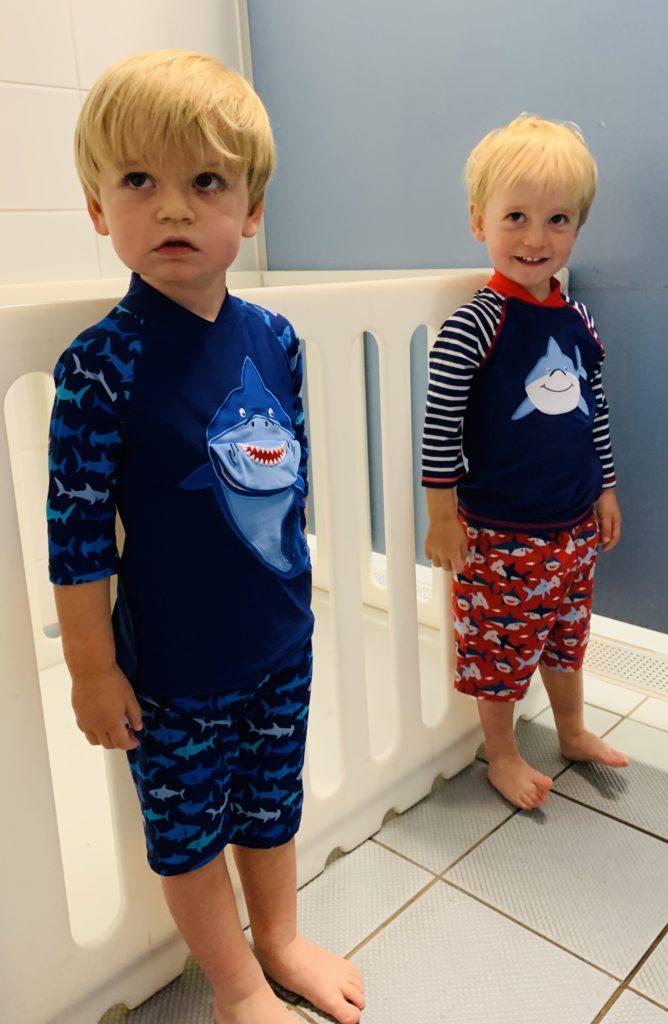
565,690
508,772
269,880
203,906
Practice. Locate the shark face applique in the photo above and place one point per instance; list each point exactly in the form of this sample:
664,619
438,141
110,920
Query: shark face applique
553,385
253,469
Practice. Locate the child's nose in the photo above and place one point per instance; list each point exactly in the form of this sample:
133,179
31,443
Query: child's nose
174,204
533,236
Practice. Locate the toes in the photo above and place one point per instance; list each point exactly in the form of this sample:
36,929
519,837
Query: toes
354,994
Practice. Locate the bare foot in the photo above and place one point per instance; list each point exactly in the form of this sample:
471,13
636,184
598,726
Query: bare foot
329,982
585,746
521,784
262,1007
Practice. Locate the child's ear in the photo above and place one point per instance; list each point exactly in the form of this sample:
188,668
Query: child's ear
253,218
476,222
96,214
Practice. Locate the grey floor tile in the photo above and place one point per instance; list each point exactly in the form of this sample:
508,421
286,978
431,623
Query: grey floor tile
653,712
354,895
592,884
637,794
603,694
449,821
187,999
537,740
652,978
448,960
630,1009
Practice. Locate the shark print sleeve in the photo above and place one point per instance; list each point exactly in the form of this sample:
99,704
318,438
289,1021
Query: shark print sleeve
92,380
459,350
292,347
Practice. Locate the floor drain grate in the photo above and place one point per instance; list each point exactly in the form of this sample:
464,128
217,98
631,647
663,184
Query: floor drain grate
644,670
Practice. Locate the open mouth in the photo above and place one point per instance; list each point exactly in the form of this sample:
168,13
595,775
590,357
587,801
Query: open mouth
175,245
531,261
265,456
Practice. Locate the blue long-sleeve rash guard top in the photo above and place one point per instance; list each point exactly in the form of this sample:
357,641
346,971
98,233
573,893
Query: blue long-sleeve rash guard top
193,431
516,414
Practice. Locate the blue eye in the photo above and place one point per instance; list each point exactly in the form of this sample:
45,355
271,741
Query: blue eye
207,181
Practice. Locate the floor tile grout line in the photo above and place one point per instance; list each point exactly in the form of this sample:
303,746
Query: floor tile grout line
625,984
388,921
397,913
611,817
404,856
532,931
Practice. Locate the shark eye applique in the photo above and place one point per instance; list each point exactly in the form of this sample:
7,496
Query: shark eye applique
242,412
270,411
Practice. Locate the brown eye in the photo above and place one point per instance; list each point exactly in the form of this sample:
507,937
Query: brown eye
207,181
137,179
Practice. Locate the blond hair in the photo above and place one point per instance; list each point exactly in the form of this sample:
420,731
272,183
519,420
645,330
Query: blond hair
530,150
168,103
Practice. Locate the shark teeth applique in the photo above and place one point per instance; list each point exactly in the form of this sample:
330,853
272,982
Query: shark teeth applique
265,456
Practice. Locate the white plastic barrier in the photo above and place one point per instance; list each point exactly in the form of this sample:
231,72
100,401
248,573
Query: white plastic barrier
385,720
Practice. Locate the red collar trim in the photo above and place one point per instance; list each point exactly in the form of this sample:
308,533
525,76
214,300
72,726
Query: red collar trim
511,289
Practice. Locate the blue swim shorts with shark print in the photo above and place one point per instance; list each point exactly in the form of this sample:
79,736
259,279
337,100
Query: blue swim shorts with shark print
222,768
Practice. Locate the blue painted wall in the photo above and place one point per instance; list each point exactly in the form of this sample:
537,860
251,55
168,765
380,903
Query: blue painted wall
375,108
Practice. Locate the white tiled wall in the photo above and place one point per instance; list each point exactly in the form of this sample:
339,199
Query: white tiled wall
51,51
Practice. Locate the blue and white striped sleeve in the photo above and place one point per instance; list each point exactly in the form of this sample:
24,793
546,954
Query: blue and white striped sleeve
458,352
602,442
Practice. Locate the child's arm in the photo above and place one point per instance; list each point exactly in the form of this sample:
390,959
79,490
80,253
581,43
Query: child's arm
445,545
609,518
102,696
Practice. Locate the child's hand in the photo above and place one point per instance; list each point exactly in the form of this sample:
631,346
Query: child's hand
106,710
446,544
609,519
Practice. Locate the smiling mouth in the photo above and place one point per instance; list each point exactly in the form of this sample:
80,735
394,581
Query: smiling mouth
558,391
531,260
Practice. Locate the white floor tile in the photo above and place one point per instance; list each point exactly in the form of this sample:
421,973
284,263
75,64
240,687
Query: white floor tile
354,895
630,1009
653,712
637,794
652,979
592,884
608,696
449,959
449,822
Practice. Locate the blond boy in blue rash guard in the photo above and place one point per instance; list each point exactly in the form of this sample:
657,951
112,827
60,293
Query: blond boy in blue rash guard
181,411
517,422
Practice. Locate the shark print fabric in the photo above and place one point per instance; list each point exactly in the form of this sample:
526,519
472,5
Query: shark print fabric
192,434
516,414
521,601
215,769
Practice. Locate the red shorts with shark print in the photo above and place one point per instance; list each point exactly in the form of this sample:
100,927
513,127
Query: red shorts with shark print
521,601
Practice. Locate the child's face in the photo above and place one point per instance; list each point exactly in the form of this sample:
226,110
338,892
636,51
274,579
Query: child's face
529,233
178,226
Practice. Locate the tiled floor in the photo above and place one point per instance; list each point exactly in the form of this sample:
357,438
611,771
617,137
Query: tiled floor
465,911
